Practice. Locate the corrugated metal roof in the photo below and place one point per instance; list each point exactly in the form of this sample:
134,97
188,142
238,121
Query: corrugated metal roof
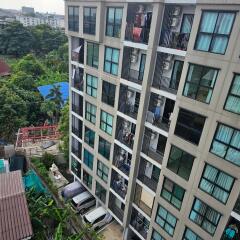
15,222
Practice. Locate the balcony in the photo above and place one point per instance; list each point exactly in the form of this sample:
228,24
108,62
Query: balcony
148,174
133,64
144,200
125,132
76,148
167,73
154,145
119,184
116,206
77,104
232,230
77,78
77,50
160,111
122,159
129,100
176,27
139,223
77,126
139,18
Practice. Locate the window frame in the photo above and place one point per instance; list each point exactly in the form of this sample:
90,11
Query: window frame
227,145
91,90
101,171
232,94
157,233
92,58
88,159
179,161
198,84
104,126
91,22
92,117
114,24
111,62
214,184
172,194
213,34
102,192
111,88
165,220
184,235
87,179
171,79
73,21
104,147
89,141
203,216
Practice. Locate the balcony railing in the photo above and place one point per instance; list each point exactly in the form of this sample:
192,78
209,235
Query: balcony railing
159,122
77,81
132,75
164,83
137,34
114,208
140,224
122,160
77,109
77,132
125,134
76,151
119,184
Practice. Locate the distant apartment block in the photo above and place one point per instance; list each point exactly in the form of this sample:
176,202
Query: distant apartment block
155,114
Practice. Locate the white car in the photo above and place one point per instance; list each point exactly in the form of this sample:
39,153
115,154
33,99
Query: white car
97,218
83,201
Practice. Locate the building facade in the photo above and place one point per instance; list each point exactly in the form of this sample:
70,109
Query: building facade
154,113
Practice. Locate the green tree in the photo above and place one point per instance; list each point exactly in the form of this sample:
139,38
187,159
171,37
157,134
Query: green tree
23,80
12,114
30,66
15,39
64,130
49,108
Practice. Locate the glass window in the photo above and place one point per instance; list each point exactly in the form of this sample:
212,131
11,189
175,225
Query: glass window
106,122
76,148
180,162
189,126
176,74
172,193
90,112
187,21
102,171
77,126
233,99
190,235
216,183
87,179
92,54
76,167
156,236
88,159
89,137
77,104
114,22
101,192
204,216
200,83
108,93
226,143
214,31
89,20
104,148
91,86
73,18
166,220
111,60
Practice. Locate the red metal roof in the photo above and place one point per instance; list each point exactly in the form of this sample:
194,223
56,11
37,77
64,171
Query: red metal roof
15,222
4,68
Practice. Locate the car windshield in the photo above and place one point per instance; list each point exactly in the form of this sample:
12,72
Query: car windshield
86,221
73,203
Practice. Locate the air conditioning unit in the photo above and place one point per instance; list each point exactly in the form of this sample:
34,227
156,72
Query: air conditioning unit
167,66
176,11
175,22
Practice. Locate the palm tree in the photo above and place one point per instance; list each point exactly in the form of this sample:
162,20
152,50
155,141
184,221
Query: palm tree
55,96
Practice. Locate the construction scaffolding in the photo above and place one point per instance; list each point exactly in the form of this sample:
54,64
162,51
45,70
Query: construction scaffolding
31,135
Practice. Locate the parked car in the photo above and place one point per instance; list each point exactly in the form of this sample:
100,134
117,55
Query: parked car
97,218
83,201
72,190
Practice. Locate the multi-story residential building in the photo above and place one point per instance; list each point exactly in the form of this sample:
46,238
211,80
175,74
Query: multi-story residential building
155,104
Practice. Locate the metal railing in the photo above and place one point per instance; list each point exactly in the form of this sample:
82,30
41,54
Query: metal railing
137,34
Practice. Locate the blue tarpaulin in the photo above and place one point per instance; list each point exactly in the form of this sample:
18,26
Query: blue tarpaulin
64,86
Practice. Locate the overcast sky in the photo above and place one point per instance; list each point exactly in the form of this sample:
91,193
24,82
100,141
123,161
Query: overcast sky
56,6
